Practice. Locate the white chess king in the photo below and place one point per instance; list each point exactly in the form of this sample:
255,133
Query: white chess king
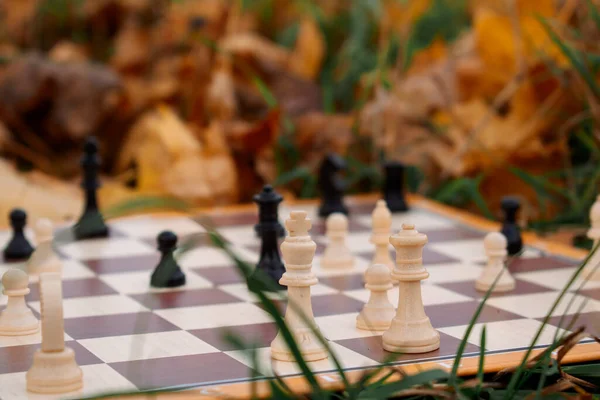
298,250
411,330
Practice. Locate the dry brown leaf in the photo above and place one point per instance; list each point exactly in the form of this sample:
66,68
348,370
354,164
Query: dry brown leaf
131,47
307,58
221,103
255,47
65,52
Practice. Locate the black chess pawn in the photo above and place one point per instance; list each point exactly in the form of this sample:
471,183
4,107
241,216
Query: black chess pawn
19,247
393,186
270,260
167,273
91,224
268,205
332,186
510,228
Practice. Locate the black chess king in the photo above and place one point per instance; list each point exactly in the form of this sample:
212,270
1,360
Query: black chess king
91,224
269,227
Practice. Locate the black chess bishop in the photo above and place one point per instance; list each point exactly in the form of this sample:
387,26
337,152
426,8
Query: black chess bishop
393,186
270,229
168,273
332,185
91,223
510,228
18,248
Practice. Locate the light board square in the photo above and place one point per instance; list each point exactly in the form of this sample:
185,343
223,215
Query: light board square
105,248
214,316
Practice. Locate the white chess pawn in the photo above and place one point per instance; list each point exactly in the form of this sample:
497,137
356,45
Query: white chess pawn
382,226
378,313
495,248
591,271
337,255
44,258
17,319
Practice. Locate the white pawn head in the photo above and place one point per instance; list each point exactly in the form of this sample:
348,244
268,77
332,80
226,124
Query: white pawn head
382,217
495,244
15,281
377,275
44,230
595,214
337,222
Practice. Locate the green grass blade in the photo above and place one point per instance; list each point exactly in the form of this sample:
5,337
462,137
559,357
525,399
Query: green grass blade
480,367
573,57
513,384
388,390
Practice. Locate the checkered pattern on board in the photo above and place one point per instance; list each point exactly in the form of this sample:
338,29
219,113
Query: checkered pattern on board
127,335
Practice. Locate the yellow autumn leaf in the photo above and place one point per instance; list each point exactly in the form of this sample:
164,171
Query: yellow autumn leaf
309,51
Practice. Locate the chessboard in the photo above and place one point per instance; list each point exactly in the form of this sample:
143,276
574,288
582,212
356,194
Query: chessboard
127,336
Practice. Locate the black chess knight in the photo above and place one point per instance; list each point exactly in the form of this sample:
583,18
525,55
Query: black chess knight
91,224
510,228
167,273
18,247
332,186
269,227
393,187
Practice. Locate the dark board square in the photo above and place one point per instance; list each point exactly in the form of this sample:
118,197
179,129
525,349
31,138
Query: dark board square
123,264
19,358
372,348
77,288
455,314
182,370
517,264
451,234
329,304
467,288
220,275
260,335
184,298
116,325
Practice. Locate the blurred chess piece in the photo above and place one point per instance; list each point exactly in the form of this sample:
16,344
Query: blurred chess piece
378,313
17,319
495,247
337,255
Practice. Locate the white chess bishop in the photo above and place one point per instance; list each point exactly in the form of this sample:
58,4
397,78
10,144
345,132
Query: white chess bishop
591,271
17,319
298,250
495,247
44,258
382,226
411,330
377,314
337,255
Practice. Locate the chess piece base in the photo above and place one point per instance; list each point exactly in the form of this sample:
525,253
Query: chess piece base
411,337
178,279
310,347
379,320
500,287
54,372
21,325
91,225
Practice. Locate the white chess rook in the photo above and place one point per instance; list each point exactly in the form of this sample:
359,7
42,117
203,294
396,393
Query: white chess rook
17,319
411,330
54,369
382,226
44,258
495,247
337,255
377,314
298,251
591,271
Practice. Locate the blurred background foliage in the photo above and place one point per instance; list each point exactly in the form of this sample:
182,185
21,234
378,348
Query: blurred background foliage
206,100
